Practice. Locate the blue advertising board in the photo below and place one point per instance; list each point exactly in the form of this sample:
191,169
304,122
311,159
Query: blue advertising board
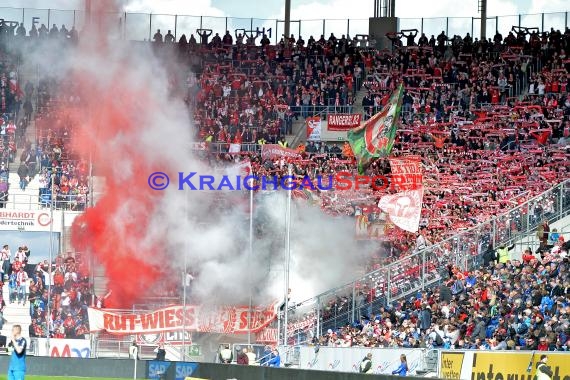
182,370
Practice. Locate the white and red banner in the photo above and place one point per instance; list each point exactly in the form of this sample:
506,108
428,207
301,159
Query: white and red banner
224,320
313,125
406,173
271,151
200,145
343,122
404,208
269,334
242,168
234,148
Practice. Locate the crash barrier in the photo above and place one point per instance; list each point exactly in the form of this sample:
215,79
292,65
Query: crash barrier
53,366
178,371
348,359
500,365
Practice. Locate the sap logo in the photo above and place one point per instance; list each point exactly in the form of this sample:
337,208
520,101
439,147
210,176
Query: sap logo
334,364
184,370
68,352
156,370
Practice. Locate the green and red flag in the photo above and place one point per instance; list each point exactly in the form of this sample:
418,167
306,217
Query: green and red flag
375,137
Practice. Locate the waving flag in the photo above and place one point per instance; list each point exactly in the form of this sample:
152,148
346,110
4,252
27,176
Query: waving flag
375,138
404,208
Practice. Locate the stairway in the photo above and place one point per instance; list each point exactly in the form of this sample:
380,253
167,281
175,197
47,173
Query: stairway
392,282
19,199
15,314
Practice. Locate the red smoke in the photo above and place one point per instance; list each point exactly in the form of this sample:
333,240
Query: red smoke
106,128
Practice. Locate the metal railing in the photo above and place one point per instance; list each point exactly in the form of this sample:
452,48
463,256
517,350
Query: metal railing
422,269
142,26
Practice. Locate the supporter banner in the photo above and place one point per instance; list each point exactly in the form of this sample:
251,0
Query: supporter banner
26,220
500,365
370,223
200,145
313,125
404,208
406,172
172,338
269,335
64,348
343,122
270,151
234,148
341,359
226,320
242,168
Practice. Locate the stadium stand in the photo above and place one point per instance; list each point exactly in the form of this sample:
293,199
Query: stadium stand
490,120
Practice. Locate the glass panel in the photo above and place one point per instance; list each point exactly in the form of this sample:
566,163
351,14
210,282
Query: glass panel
12,14
217,25
239,23
555,20
506,24
491,28
187,25
60,18
310,28
30,14
137,26
410,23
80,20
337,27
434,26
268,27
164,23
459,26
531,21
358,27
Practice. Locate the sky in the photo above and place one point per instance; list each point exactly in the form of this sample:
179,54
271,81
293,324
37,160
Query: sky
311,9
311,12
37,242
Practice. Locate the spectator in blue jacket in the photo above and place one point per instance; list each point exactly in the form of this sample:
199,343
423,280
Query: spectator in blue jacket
275,360
402,370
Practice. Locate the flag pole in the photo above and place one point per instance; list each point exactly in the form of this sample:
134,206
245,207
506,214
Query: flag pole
250,253
184,281
287,258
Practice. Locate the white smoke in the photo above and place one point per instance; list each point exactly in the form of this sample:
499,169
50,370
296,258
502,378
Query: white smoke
215,247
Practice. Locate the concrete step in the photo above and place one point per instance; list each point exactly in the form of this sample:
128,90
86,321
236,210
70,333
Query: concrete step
15,314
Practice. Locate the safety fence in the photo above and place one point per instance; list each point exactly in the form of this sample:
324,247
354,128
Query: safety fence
142,26
422,269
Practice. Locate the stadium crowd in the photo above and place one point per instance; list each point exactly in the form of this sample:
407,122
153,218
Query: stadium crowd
491,121
507,305
70,296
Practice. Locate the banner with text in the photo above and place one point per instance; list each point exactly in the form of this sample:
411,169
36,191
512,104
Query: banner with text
459,365
271,151
313,125
406,172
226,320
343,122
64,348
26,220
